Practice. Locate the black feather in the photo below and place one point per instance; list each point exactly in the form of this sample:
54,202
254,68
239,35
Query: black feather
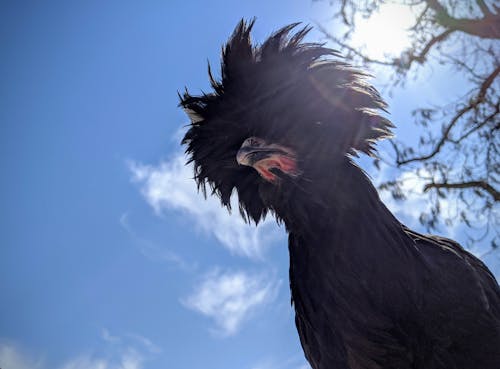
368,292
258,93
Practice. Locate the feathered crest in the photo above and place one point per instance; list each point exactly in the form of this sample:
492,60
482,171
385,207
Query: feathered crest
284,89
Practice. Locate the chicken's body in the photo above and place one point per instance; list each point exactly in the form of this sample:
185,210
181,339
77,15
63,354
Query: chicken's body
279,129
407,302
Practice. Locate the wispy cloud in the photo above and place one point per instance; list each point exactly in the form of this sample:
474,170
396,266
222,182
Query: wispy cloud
108,337
132,339
145,342
409,209
128,360
129,351
11,357
169,186
294,362
229,298
153,250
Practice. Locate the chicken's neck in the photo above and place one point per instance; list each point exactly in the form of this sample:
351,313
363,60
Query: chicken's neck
349,255
344,231
342,208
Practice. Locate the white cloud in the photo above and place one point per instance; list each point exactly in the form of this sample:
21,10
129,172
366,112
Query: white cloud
170,186
153,250
12,358
108,337
295,362
229,298
128,360
415,202
132,339
121,352
146,343
131,342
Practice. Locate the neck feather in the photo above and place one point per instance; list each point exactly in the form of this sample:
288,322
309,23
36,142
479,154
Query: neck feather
341,206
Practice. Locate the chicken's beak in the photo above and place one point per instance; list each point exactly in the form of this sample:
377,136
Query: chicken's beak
264,157
250,155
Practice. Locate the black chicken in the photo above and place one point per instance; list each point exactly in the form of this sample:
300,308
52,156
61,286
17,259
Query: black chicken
280,129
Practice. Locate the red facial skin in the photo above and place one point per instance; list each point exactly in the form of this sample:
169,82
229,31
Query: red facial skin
286,164
263,157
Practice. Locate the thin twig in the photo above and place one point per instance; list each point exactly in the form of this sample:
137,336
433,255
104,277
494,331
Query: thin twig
470,184
445,137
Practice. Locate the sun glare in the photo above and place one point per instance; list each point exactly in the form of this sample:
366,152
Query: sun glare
385,32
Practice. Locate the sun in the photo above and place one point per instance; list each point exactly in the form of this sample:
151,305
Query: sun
385,33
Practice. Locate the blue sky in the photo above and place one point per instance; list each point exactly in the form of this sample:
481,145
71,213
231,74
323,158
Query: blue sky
109,258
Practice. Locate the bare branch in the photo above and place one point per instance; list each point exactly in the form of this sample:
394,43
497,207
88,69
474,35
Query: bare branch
487,83
445,136
484,8
396,62
421,57
471,184
420,18
486,27
480,125
442,141
462,160
462,64
343,12
435,5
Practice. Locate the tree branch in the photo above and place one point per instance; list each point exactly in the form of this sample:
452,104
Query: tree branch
480,125
397,62
421,57
344,14
445,137
472,184
486,27
487,83
442,141
464,154
484,8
